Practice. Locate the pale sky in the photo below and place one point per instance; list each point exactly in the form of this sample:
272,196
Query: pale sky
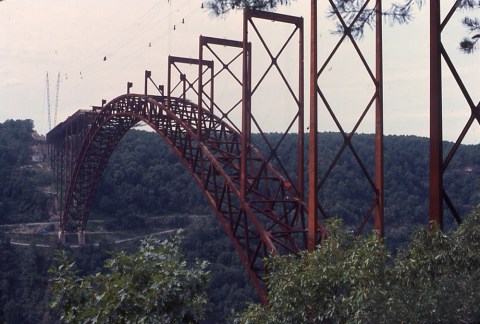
73,37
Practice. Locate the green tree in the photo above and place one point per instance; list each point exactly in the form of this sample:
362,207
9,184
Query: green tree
153,285
340,282
350,280
437,278
20,196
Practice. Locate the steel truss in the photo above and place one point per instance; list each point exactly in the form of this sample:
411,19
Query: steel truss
270,222
439,164
293,182
316,182
65,141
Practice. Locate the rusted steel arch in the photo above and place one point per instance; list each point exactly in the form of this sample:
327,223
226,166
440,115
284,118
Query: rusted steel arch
271,220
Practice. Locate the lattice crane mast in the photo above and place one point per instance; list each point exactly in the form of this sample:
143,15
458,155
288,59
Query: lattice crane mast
56,101
48,104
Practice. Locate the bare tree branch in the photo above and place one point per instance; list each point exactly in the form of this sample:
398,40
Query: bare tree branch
222,7
401,13
398,13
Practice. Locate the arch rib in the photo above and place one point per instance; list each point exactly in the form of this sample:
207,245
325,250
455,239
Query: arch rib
270,220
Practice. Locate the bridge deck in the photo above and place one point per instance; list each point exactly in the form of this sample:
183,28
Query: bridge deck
74,124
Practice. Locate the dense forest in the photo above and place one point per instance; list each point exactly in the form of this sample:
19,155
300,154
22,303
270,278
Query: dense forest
145,181
21,197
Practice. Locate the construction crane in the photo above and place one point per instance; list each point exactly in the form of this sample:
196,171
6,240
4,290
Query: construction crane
56,102
48,104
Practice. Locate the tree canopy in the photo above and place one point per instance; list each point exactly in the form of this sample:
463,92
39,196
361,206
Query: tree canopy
20,178
153,285
356,279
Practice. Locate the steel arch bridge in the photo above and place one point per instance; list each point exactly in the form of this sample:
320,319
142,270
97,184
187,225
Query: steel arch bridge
263,209
270,220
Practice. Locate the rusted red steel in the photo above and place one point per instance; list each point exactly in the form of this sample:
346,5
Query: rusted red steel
265,225
378,223
439,165
377,184
436,153
313,133
246,109
65,140
200,103
148,78
249,90
208,46
186,84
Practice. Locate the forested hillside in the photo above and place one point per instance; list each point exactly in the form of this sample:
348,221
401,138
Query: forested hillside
21,197
144,180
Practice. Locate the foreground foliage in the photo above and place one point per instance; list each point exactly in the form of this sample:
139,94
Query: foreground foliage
153,285
350,280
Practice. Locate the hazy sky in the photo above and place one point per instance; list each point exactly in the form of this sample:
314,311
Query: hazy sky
73,38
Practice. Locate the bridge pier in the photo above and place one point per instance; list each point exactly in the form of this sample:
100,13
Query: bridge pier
81,237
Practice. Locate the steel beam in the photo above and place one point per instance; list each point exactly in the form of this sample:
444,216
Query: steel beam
313,133
246,108
436,154
374,181
379,165
248,117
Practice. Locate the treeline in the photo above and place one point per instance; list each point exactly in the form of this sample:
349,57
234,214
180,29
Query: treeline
144,178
